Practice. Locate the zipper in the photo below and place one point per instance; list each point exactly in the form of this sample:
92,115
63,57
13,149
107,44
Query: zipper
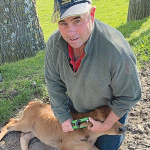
74,73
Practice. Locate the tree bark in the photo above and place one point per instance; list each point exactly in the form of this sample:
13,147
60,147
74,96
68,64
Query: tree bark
20,32
138,9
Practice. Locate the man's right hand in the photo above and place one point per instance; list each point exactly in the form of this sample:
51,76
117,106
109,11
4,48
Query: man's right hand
66,126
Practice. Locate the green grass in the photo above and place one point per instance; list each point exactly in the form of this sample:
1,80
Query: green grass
45,11
113,13
137,33
17,89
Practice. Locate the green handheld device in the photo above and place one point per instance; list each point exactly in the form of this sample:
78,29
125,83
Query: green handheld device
76,123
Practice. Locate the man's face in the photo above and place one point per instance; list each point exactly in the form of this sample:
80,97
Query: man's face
76,29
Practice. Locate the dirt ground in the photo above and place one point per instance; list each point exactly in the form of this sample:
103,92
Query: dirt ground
137,134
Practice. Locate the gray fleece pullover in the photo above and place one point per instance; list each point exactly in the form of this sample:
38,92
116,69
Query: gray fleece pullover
107,74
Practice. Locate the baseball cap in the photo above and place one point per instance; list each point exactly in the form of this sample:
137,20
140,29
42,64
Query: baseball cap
66,8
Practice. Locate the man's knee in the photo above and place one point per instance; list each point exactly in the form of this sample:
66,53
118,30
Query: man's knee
109,142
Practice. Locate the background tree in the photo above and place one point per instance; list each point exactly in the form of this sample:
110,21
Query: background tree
138,9
20,32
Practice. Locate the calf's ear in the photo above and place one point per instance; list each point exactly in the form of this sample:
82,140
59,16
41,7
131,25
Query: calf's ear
88,124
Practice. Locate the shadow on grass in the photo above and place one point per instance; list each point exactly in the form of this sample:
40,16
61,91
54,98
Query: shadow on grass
140,37
130,27
140,42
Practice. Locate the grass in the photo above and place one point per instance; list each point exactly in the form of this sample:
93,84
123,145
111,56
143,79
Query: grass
17,87
45,11
137,33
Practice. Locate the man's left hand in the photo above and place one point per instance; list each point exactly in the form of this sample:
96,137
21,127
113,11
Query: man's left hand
106,125
98,126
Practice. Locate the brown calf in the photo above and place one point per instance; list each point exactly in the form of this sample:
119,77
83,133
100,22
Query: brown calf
39,121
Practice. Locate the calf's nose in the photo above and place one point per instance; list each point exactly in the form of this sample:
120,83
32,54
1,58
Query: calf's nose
122,129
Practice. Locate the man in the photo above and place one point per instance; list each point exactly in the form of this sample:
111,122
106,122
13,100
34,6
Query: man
89,64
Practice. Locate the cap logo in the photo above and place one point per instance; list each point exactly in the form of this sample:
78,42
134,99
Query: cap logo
65,2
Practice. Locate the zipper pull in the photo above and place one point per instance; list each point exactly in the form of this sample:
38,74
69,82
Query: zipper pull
74,74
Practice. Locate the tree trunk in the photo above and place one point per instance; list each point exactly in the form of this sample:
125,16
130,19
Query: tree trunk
138,9
20,32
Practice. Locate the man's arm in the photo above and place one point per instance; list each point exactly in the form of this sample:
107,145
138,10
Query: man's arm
56,88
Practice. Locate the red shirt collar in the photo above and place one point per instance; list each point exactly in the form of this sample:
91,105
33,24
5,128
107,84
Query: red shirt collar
75,64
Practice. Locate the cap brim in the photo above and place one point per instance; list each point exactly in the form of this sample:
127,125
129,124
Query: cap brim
75,10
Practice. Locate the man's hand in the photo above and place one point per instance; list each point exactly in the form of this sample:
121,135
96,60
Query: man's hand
106,125
98,126
66,126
